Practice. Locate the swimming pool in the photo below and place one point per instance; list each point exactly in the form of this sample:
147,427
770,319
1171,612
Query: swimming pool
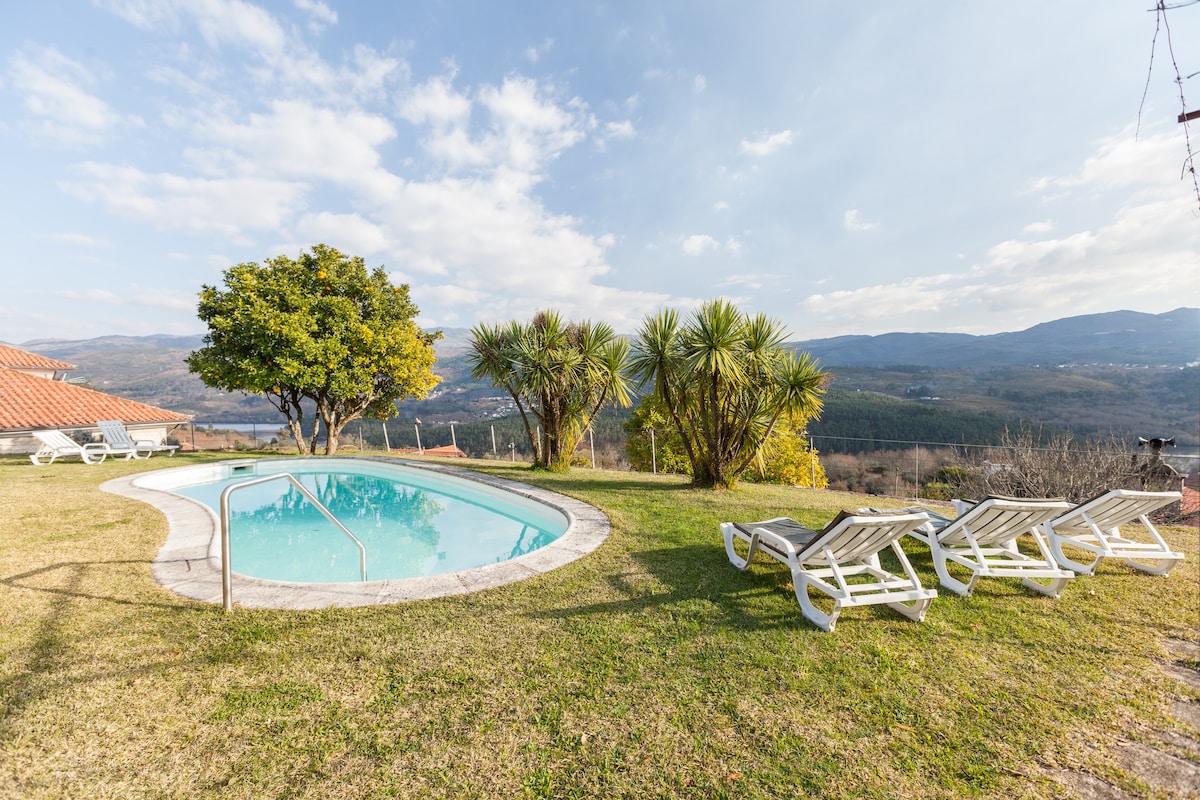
427,529
411,523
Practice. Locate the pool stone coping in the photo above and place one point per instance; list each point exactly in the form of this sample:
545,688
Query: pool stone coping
184,564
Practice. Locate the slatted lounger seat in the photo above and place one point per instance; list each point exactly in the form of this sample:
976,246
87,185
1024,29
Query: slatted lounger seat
1096,528
984,539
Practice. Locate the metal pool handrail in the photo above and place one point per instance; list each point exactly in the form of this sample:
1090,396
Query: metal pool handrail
226,570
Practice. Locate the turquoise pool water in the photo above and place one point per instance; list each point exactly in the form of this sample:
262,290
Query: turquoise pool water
411,523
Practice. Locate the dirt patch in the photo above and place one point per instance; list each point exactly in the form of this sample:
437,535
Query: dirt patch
1168,762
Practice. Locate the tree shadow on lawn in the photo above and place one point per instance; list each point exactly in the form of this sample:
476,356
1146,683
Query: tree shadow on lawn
743,601
50,667
79,568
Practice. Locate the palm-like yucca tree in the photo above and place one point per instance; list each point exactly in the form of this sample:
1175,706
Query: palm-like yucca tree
726,381
559,373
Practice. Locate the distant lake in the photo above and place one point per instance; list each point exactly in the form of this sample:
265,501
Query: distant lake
260,429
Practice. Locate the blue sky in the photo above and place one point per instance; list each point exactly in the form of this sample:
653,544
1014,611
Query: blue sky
849,168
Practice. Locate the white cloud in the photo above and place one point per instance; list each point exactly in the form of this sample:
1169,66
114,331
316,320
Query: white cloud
162,298
81,239
223,206
698,244
436,103
295,139
720,205
699,84
768,144
1035,228
533,54
1146,252
1123,161
56,92
852,220
320,15
90,295
619,130
350,233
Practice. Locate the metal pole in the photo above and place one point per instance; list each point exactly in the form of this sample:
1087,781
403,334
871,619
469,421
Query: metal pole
386,444
917,477
494,440
417,428
453,440
254,434
512,448
653,454
812,460
592,440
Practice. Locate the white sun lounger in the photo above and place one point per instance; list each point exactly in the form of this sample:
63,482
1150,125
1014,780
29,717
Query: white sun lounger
984,538
1095,527
118,438
833,559
56,444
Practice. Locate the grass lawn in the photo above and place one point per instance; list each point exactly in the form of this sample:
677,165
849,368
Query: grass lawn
650,668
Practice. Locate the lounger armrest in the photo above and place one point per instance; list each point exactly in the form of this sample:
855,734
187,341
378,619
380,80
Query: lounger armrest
775,540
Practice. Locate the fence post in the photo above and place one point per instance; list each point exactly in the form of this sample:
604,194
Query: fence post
653,453
812,460
917,477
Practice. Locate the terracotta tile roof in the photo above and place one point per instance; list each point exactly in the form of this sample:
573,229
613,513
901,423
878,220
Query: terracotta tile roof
17,358
28,402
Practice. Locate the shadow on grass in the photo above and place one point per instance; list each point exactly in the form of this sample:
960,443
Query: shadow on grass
741,600
50,652
15,581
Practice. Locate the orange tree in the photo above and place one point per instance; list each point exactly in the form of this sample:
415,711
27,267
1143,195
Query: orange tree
318,330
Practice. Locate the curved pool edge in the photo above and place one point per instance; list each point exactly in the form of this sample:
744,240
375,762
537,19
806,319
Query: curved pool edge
184,564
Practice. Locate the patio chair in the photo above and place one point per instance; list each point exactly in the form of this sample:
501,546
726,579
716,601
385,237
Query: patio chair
56,444
834,559
1095,527
984,538
117,436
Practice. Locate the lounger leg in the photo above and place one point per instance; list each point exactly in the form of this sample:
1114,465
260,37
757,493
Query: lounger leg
1160,566
1056,546
1052,589
734,558
914,610
816,616
948,580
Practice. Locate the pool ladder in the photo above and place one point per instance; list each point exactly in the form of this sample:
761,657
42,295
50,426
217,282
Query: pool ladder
226,570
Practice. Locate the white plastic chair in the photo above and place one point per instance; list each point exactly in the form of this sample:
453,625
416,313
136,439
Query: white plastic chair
833,559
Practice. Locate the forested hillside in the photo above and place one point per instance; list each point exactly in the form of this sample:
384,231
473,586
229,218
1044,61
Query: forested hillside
964,401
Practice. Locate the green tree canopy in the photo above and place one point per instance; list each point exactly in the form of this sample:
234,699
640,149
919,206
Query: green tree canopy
726,381
318,328
560,373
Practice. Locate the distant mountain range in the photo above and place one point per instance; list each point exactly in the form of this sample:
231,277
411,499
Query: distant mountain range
1117,337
